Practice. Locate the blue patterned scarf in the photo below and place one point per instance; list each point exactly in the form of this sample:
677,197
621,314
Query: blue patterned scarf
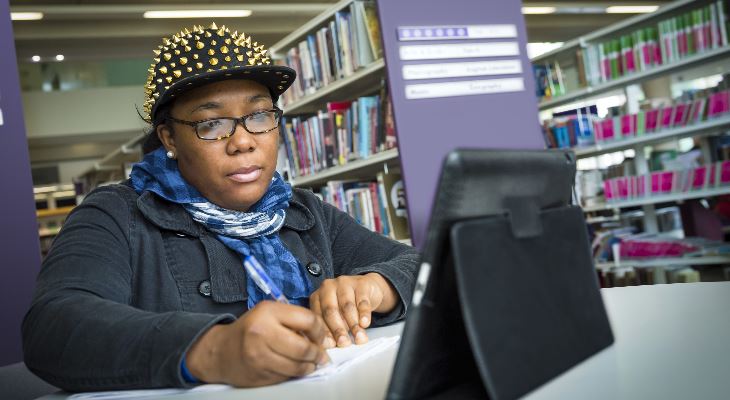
255,232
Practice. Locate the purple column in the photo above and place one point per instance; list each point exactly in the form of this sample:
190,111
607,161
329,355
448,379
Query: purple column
428,126
19,249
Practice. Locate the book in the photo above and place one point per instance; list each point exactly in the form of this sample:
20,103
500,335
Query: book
364,52
394,193
344,132
373,28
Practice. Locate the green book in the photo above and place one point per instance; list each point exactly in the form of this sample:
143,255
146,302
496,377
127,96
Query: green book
689,33
615,59
640,123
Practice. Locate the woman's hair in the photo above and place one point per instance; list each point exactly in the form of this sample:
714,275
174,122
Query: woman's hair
152,141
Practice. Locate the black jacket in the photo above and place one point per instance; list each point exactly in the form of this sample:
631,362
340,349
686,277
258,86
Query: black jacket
131,281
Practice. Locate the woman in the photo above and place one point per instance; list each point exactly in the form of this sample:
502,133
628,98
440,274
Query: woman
145,285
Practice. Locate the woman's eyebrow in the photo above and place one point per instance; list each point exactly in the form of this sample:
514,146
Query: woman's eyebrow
211,105
259,97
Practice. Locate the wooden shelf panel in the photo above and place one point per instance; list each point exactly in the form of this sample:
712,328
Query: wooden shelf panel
355,169
667,262
667,198
53,212
363,82
703,128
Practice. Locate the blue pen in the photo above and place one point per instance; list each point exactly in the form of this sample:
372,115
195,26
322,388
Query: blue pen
262,280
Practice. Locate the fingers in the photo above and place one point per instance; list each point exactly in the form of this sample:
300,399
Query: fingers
300,319
297,348
329,340
278,364
330,308
364,306
347,300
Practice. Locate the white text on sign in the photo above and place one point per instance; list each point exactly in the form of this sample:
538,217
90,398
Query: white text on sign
453,70
465,50
464,88
456,32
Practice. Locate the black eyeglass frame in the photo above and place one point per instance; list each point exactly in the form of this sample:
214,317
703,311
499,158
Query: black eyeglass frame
242,120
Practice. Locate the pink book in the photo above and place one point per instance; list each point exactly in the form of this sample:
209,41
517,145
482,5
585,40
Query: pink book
724,173
641,186
655,183
699,177
631,189
667,114
628,55
698,111
681,43
667,178
657,54
628,125
718,104
623,187
652,118
607,127
680,114
598,130
607,191
606,68
646,53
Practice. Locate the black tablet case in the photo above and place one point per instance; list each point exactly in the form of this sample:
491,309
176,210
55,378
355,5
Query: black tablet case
512,299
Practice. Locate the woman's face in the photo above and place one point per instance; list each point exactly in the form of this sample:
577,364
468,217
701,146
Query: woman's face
233,173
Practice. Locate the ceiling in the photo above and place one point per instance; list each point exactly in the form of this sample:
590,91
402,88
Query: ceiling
84,30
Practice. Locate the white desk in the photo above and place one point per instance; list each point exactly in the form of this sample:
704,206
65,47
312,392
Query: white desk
672,342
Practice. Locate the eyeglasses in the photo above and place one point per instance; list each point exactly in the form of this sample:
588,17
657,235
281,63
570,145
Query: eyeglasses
224,127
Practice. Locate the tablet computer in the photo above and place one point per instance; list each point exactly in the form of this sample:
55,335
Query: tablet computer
463,336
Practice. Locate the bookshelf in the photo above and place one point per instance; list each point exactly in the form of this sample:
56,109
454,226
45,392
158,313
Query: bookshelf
362,82
364,168
667,262
340,118
667,198
280,47
615,29
635,78
704,128
680,40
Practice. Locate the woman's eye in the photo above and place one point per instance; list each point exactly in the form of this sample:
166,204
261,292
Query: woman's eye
212,124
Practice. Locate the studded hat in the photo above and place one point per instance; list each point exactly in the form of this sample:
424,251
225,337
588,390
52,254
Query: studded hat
199,56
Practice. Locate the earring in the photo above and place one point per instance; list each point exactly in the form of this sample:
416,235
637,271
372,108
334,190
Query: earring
170,154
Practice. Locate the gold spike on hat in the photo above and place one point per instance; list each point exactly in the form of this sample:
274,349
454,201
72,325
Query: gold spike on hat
211,49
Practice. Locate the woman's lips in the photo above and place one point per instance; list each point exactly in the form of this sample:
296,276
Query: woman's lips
245,175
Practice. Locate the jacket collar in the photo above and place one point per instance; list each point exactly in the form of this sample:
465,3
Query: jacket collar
173,217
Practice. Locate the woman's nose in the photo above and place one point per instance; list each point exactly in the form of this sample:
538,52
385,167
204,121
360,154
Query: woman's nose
241,140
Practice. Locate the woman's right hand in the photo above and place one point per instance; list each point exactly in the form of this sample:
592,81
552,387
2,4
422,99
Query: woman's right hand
268,344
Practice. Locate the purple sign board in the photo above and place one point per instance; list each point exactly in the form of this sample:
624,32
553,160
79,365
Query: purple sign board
460,78
20,252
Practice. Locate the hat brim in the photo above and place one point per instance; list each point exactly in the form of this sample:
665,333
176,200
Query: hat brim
271,76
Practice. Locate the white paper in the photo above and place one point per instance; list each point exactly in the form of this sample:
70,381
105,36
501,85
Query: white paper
453,70
458,50
144,393
464,88
342,358
451,32
345,357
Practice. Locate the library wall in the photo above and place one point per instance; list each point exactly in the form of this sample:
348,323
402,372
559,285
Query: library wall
19,236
